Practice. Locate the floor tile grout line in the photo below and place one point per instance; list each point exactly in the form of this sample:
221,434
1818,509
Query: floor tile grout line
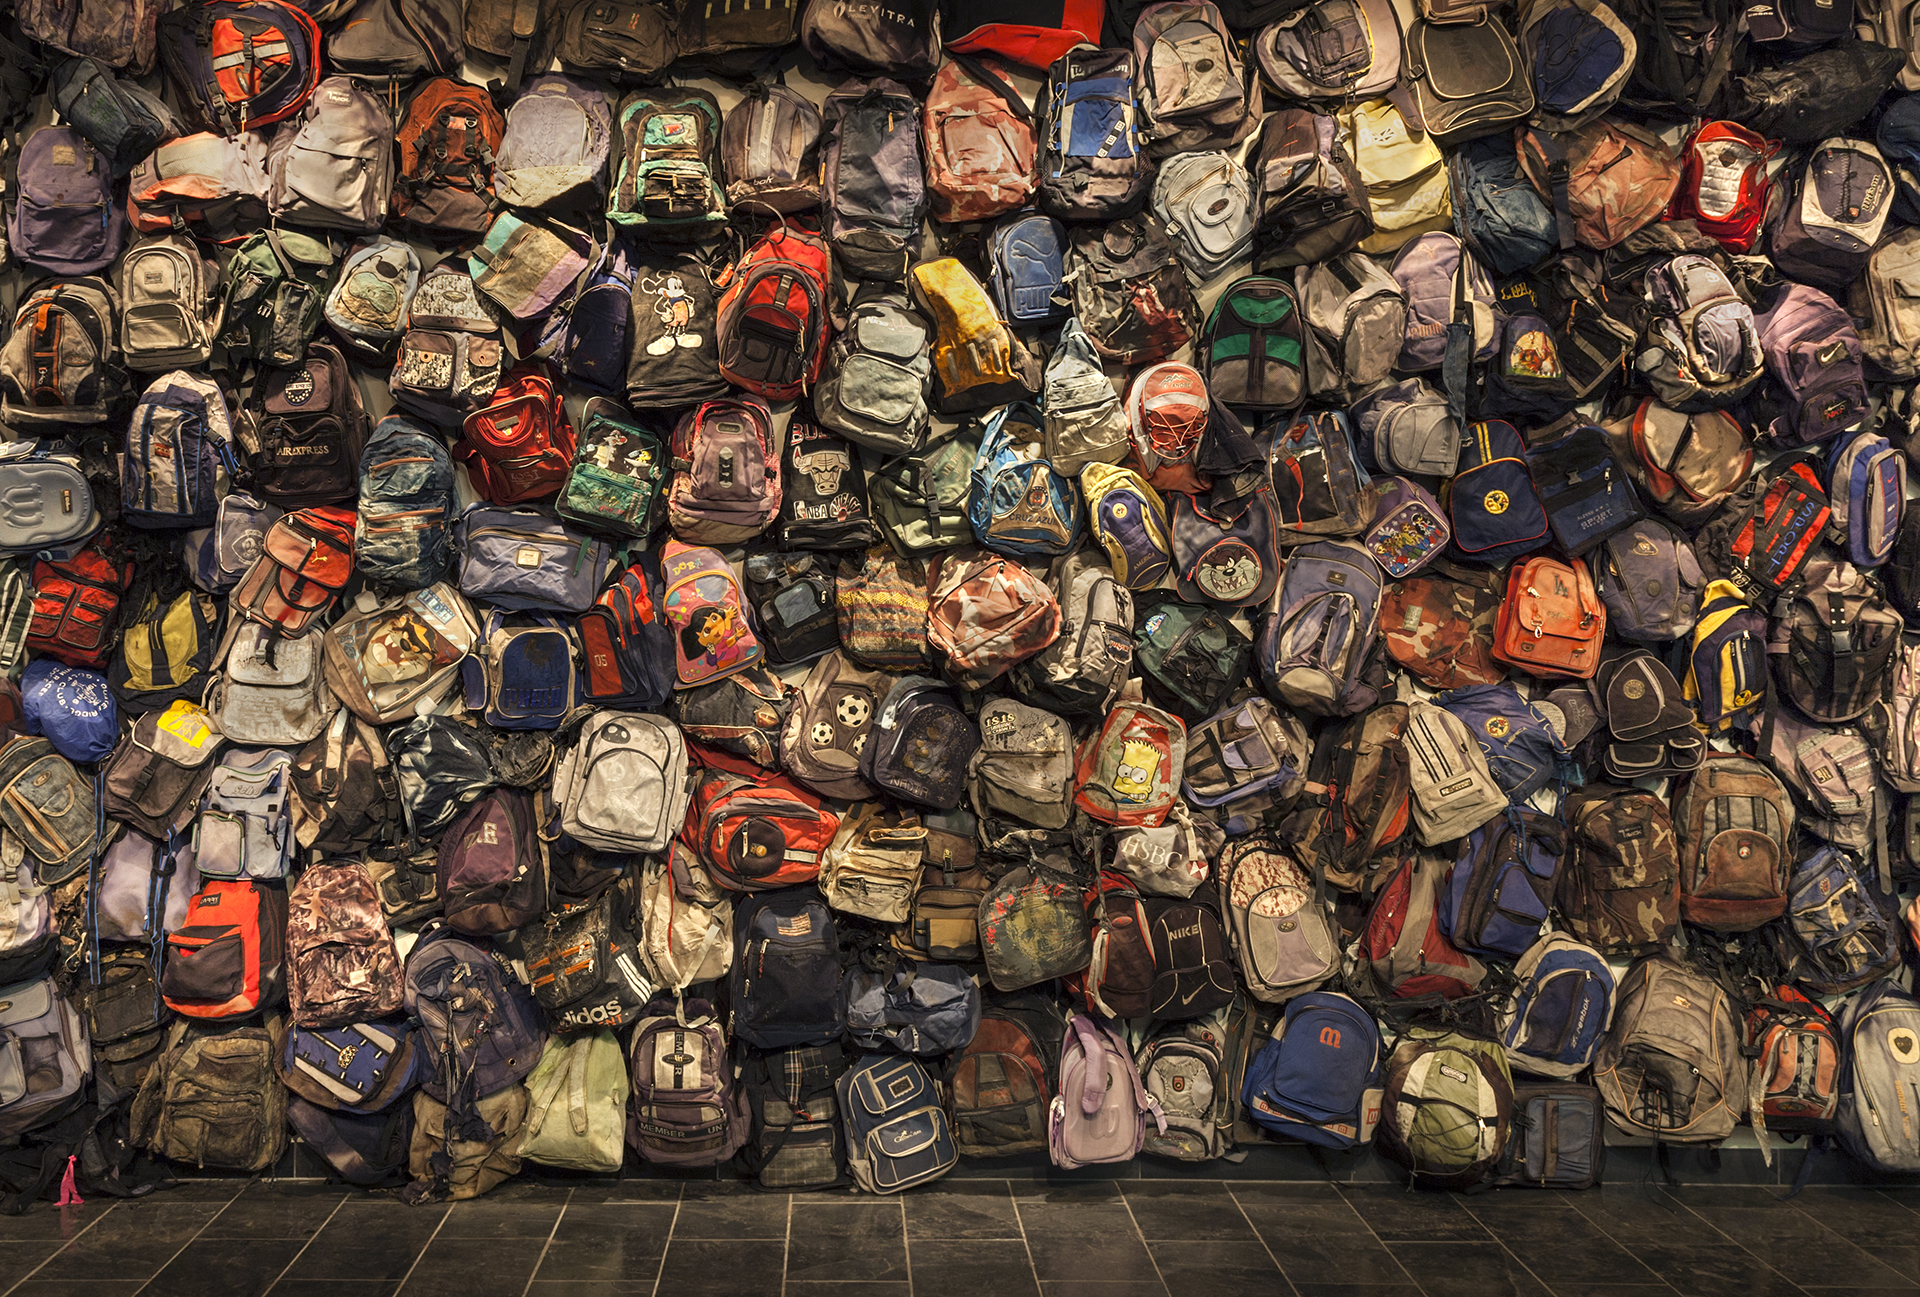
1241,1207
1142,1236
1604,1233
205,1225
1375,1234
295,1258
67,1243
1778,1202
1020,1223
786,1248
906,1248
661,1269
544,1247
415,1265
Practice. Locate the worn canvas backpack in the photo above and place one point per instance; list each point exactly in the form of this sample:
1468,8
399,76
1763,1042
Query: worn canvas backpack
1085,421
726,484
987,614
785,978
1319,487
178,443
977,360
303,429
1253,350
1310,202
341,963
873,187
980,147
1506,223
56,366
667,182
1129,291
553,151
1190,85
1671,1066
687,1109
1026,257
331,165
618,755
1605,180
1357,312
1833,645
169,304
447,141
229,959
1813,353
1843,934
770,143
1735,824
1403,169
1083,670
1193,655
1649,580
1877,1031
1205,201
874,387
1278,916
1092,160
212,1098
63,220
1619,888
1320,638
1466,78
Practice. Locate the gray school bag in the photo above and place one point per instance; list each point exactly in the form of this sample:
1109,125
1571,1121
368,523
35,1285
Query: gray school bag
1206,202
245,829
1410,428
331,164
1650,582
874,196
554,153
1453,792
874,388
1024,765
169,304
1357,311
1086,423
45,1057
272,689
369,304
623,787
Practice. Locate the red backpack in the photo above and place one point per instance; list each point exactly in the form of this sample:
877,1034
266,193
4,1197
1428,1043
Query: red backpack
446,143
1723,183
306,560
757,833
1118,980
520,446
1797,1060
229,958
76,606
1402,950
242,63
979,134
772,315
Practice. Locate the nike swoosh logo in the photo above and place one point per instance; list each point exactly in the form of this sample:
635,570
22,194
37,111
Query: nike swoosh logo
1188,997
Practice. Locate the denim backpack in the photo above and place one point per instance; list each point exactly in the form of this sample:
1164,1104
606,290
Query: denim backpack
1501,888
1813,353
1648,578
406,501
1523,751
64,219
1314,648
1867,487
1496,213
522,676
1318,1080
1027,263
178,440
1584,489
1020,504
1495,512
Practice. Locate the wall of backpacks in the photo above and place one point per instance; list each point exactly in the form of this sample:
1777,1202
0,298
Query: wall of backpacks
823,588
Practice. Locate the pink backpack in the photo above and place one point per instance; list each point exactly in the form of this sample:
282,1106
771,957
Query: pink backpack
711,634
1100,1112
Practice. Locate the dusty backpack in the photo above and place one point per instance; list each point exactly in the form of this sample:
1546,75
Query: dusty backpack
1671,1066
979,135
331,166
1735,824
1093,164
1129,292
977,360
873,186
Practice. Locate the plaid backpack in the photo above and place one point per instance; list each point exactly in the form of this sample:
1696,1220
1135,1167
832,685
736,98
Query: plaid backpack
1505,222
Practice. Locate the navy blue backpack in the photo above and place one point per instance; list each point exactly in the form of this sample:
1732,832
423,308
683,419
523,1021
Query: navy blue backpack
1524,753
785,983
72,707
1584,489
1318,1079
1502,882
1495,512
1027,258
1496,212
523,674
599,323
626,646
1526,379
1899,141
1577,55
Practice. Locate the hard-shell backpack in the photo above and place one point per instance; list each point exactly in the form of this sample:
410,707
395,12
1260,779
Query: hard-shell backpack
553,153
1092,160
57,366
1314,648
447,141
1318,1079
772,317
1824,231
1867,481
667,182
331,165
1026,264
1310,202
243,63
64,219
873,190
979,140
1813,352
169,304
1190,85
1021,504
726,481
770,142
1101,1111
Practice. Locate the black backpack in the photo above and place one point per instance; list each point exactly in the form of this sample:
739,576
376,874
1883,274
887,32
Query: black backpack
825,501
122,119
784,986
1312,204
304,430
792,593
1682,63
742,713
797,1141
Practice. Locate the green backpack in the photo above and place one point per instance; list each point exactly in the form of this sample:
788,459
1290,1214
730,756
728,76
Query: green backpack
921,499
577,1104
1448,1108
274,289
1191,653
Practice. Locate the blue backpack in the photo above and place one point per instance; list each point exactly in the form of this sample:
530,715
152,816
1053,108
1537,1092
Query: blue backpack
595,328
400,538
914,1008
1577,52
1560,1010
1496,212
1027,260
1019,504
1501,884
361,1067
1523,751
72,707
1496,514
178,438
785,983
1845,934
524,675
1526,379
897,1131
1867,489
1584,489
1318,1079
625,642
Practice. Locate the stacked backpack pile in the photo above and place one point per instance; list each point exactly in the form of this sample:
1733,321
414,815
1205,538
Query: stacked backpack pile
1320,579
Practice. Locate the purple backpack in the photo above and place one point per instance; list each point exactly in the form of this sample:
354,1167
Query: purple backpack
64,219
1100,1112
1867,489
686,1109
1429,272
1409,527
1650,582
480,1028
1813,354
875,192
1315,646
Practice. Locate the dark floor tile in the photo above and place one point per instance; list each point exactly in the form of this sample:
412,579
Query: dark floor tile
1310,1251
368,1241
1902,1259
1611,1290
969,1267
608,1242
712,1268
590,1288
627,1191
44,1222
1483,1269
517,1216
1395,1213
1186,1213
847,1240
847,1288
1355,1289
213,1190
1800,1247
208,1266
725,1213
332,1288
1102,1288
131,1242
1559,1246
962,1209
1067,1191
265,1210
453,1267
1858,1215
1310,1215
78,1288
19,1259
1217,1268
1074,1256
1715,1271
1634,1213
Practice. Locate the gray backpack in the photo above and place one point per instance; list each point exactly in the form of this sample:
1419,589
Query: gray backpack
1702,347
1670,1067
170,304
624,787
1825,232
370,303
245,829
1206,202
874,194
1086,423
554,153
44,1056
1024,765
1192,88
57,366
1083,670
1453,792
273,688
1357,311
1329,53
770,144
1879,1038
874,388
331,164
1650,582
449,361
47,506
1442,280
1410,427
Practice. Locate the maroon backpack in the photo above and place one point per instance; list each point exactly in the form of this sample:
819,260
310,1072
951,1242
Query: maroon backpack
493,869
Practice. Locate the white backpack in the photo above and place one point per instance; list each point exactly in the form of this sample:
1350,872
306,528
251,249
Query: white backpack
686,919
1086,423
624,785
272,691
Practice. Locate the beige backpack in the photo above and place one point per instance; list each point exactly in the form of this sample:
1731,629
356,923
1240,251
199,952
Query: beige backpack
874,863
687,921
1404,172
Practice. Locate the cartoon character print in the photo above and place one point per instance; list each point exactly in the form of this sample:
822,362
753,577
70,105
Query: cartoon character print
673,305
1139,763
713,633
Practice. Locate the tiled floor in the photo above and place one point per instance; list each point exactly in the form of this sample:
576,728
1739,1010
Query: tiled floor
965,1238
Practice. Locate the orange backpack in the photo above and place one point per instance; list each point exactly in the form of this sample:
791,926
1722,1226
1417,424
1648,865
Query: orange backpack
520,446
445,146
980,144
1552,620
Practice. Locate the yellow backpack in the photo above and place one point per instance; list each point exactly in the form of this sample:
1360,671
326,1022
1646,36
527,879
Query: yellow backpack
1404,172
977,362
1727,668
